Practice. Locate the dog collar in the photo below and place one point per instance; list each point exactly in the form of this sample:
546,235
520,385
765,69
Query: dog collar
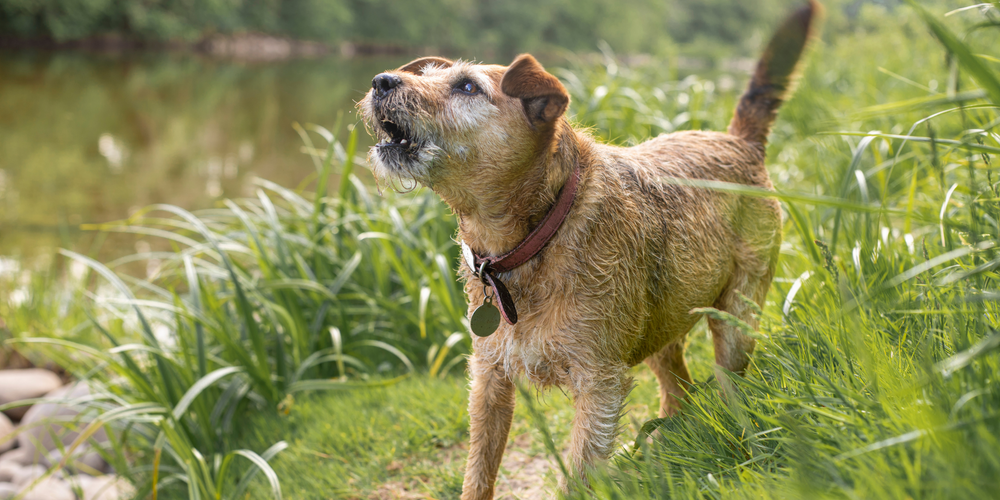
487,269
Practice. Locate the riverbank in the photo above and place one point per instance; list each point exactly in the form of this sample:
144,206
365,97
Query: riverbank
250,47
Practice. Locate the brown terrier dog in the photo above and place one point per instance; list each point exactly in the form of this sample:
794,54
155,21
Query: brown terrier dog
638,250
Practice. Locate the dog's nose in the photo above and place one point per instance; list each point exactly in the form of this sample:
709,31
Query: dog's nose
383,83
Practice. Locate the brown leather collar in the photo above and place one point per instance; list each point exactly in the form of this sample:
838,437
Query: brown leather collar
487,268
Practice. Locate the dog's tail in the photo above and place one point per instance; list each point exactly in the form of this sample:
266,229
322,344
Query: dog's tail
774,78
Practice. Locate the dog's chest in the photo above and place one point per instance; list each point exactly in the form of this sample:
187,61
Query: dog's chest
535,354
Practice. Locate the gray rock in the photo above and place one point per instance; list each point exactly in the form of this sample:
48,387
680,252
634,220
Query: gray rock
16,385
103,487
8,470
84,460
50,489
19,456
7,491
27,474
89,462
42,422
79,481
7,440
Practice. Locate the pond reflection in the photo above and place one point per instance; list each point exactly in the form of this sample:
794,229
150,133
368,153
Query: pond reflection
88,138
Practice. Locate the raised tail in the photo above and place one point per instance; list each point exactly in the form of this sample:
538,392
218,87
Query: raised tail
774,77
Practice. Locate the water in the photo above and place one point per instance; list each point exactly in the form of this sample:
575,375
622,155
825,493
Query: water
89,138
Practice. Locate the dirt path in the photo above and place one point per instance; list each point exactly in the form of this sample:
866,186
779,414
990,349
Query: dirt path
525,475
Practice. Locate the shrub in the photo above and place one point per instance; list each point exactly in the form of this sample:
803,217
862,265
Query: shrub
258,301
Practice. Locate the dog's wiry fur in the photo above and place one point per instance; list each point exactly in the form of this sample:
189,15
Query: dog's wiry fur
638,251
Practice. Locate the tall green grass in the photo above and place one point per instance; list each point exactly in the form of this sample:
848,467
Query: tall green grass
877,377
255,302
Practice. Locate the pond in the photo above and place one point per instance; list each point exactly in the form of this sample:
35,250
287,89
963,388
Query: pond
89,138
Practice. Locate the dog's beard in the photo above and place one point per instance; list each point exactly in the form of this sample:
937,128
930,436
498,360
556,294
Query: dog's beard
403,168
405,152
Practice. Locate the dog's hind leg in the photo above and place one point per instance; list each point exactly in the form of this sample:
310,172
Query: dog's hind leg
742,297
491,410
671,371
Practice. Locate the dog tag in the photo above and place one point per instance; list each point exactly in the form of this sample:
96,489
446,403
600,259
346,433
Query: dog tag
485,319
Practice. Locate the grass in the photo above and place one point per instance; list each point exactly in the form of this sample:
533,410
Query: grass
350,445
411,438
876,377
257,301
874,380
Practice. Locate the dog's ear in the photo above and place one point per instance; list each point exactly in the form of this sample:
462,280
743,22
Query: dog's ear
543,96
417,65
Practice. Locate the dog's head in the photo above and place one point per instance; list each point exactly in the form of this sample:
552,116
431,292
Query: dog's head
450,125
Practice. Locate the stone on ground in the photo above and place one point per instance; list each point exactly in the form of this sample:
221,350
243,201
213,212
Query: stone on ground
7,491
7,440
16,385
27,474
50,489
43,422
84,460
103,487
18,456
8,470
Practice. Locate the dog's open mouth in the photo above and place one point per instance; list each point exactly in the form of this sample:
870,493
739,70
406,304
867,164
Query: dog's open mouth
403,150
398,137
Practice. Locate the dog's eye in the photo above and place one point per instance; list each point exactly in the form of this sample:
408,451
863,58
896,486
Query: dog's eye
468,87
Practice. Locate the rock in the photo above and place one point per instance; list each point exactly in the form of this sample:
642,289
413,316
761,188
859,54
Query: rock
50,489
8,470
84,460
79,482
19,456
7,491
42,423
27,474
7,440
90,462
103,487
16,385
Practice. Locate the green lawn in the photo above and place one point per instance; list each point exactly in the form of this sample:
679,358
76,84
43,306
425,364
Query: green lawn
350,444
410,438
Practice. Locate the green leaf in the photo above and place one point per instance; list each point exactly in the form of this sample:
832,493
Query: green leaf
199,386
261,464
983,76
249,475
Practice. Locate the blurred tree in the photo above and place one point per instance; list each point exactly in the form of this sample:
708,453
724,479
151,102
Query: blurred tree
312,19
457,26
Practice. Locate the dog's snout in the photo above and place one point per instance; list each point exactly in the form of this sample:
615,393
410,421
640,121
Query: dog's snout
383,83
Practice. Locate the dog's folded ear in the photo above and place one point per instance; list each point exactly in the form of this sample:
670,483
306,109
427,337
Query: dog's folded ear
543,96
417,65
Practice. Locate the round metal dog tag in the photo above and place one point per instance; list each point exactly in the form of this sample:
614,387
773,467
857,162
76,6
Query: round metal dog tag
485,320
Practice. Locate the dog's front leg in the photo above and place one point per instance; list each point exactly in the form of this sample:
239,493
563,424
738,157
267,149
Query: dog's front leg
598,397
491,409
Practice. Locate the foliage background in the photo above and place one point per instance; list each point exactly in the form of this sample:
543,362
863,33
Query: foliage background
454,26
877,376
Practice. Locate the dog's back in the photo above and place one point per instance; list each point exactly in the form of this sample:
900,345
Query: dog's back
699,247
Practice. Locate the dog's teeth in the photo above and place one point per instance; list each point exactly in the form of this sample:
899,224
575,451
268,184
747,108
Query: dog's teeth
402,141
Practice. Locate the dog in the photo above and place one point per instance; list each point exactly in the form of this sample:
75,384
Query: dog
637,246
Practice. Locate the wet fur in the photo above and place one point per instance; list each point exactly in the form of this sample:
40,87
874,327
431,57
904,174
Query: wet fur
638,251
